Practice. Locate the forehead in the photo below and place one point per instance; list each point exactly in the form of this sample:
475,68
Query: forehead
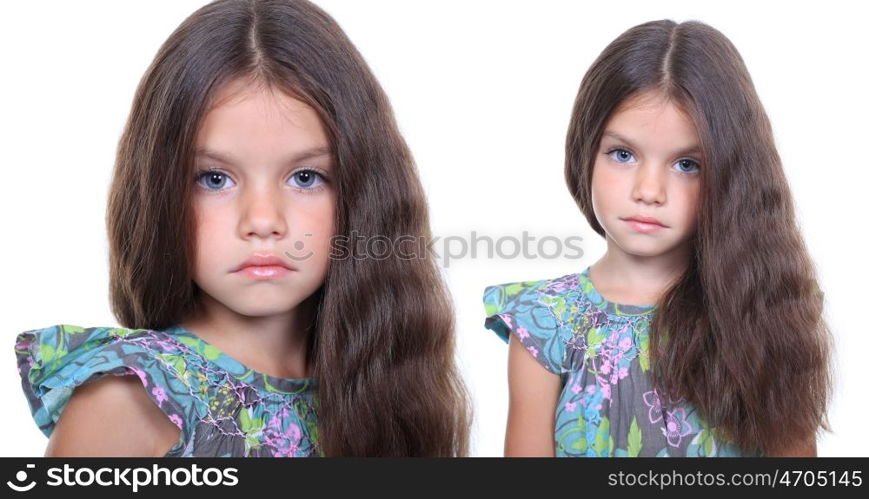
654,120
252,119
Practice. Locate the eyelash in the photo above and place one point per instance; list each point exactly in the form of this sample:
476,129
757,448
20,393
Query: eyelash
200,175
622,149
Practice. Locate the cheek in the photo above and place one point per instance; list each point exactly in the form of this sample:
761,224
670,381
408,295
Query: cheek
208,239
317,217
314,218
689,201
606,188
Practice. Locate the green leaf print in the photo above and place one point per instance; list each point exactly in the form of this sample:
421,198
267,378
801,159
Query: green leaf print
46,352
705,439
601,437
194,343
708,444
244,419
513,289
555,303
595,338
211,352
66,328
581,444
251,442
181,367
635,439
120,332
491,309
175,361
644,353
250,425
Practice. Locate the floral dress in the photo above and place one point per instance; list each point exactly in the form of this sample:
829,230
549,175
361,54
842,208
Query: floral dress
607,405
221,407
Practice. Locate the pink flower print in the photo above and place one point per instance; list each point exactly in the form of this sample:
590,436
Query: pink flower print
274,424
626,344
570,406
507,320
575,389
677,427
287,443
177,420
606,368
294,432
140,374
557,287
607,391
521,332
623,372
533,351
159,394
654,403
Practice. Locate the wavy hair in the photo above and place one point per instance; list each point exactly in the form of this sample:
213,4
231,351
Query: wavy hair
740,335
383,339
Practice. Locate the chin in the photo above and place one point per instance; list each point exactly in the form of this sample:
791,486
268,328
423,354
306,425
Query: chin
651,248
264,304
263,309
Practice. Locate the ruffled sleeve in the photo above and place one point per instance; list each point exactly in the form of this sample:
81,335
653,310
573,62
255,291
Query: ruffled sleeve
520,309
55,360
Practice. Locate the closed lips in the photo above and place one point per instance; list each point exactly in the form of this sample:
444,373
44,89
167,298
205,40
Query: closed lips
644,220
263,261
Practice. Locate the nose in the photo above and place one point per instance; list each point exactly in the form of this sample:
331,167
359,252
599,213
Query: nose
650,185
262,214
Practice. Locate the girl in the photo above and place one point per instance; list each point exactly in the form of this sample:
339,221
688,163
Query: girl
699,332
256,139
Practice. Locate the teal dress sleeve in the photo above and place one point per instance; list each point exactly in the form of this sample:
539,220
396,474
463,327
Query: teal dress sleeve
53,361
519,309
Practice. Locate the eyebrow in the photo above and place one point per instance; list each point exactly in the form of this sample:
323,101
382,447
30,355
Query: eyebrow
305,155
692,150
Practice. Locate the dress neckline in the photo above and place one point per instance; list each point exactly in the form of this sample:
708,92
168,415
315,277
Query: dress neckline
289,386
611,308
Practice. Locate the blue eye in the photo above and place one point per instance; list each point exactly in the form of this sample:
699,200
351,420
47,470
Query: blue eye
214,180
687,166
621,155
306,179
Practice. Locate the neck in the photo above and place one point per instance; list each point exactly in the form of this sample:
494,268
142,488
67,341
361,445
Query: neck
637,280
275,345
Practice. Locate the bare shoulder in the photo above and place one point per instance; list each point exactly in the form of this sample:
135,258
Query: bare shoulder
533,397
112,416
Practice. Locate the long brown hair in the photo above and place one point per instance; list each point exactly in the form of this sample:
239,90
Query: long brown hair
740,334
383,341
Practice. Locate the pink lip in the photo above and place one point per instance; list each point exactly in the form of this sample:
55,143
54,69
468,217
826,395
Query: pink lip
645,225
263,272
264,266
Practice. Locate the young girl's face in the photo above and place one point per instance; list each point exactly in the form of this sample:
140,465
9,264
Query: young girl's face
646,183
262,189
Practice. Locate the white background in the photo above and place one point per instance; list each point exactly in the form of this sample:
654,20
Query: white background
483,92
